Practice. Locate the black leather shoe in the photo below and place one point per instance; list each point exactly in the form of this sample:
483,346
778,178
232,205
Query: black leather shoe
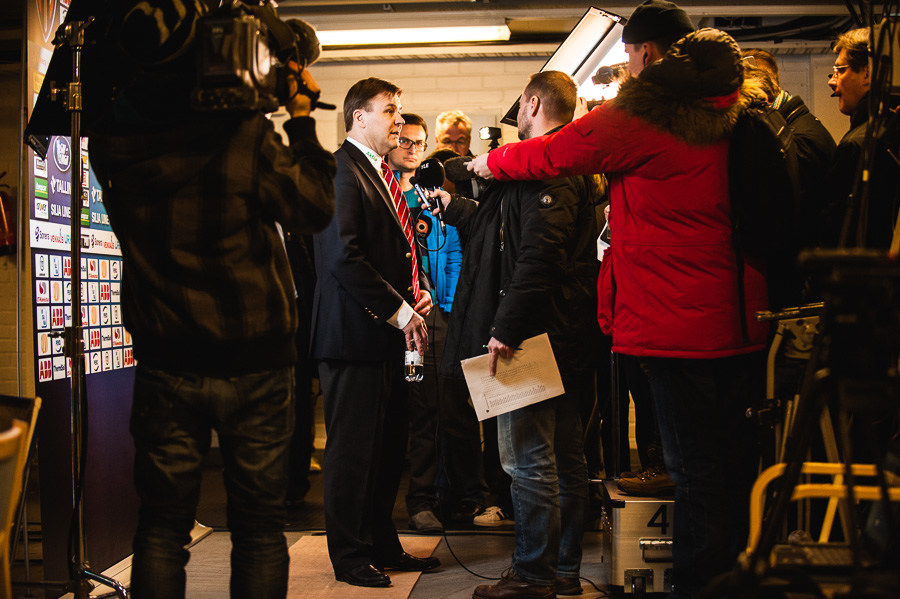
364,576
410,563
466,511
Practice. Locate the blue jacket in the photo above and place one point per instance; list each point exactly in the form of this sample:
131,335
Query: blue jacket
442,265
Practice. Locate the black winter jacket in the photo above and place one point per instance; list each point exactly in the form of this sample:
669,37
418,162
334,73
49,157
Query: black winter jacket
194,199
883,185
815,152
529,267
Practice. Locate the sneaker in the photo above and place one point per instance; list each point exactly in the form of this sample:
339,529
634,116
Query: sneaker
425,522
492,517
650,482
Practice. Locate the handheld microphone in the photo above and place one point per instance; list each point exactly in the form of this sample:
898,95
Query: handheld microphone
430,174
457,170
467,182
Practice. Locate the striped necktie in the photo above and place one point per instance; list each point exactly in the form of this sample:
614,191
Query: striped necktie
403,212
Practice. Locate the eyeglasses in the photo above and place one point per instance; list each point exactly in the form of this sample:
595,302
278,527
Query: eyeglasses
462,142
408,143
837,70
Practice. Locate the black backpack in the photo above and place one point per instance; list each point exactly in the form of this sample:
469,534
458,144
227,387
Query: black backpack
765,202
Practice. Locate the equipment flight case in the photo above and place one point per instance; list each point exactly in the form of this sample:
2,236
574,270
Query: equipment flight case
637,530
638,540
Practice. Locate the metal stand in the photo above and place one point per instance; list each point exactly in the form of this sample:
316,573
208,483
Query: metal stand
72,34
853,364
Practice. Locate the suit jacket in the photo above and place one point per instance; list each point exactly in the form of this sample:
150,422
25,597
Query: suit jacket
364,268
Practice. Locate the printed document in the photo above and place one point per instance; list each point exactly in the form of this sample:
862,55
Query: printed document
529,377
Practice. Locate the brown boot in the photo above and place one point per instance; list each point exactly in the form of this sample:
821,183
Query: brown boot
649,483
513,587
568,586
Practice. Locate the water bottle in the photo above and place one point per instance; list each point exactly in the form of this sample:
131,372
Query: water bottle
414,368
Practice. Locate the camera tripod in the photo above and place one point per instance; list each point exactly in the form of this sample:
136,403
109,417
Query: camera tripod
853,365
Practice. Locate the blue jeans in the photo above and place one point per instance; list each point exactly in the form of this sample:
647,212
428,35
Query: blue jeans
541,448
171,422
711,451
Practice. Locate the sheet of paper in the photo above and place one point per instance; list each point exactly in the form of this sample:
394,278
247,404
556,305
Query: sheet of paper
529,377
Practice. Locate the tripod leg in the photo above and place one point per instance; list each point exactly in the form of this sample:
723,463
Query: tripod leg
121,593
832,455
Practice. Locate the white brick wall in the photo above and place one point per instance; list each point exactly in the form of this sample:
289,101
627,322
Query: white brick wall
483,89
486,88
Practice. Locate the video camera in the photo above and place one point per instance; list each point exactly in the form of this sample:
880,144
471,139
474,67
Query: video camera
245,55
467,183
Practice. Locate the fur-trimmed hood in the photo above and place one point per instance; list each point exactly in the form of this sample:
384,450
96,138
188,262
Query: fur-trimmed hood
695,122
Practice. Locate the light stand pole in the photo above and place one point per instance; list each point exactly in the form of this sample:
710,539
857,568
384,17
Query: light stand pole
72,34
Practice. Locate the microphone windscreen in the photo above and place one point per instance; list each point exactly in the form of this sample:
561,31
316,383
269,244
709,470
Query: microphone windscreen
430,174
456,169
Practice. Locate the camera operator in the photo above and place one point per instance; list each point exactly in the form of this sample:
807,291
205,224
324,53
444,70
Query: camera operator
196,200
530,267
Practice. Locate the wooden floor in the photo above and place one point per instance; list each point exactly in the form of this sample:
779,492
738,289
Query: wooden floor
469,557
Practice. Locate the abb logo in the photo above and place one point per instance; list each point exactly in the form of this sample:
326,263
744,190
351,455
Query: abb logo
104,292
45,370
95,338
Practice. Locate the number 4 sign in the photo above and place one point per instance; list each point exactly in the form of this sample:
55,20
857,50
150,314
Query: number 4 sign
661,520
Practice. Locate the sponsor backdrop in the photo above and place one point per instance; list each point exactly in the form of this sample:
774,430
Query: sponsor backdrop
110,502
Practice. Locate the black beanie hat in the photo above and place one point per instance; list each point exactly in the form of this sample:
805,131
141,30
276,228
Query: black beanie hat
154,32
655,19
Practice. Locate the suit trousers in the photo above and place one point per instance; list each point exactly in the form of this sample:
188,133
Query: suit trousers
366,426
444,436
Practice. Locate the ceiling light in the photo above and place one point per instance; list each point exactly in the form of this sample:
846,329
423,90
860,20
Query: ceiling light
414,35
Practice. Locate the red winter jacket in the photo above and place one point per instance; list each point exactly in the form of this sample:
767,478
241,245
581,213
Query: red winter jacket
672,261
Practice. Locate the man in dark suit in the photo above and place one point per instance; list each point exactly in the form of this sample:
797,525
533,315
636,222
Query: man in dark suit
370,295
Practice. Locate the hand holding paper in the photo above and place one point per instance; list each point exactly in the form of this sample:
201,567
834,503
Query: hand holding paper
529,376
498,348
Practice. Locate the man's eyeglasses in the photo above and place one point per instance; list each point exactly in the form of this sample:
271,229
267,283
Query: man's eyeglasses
462,142
408,143
837,70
